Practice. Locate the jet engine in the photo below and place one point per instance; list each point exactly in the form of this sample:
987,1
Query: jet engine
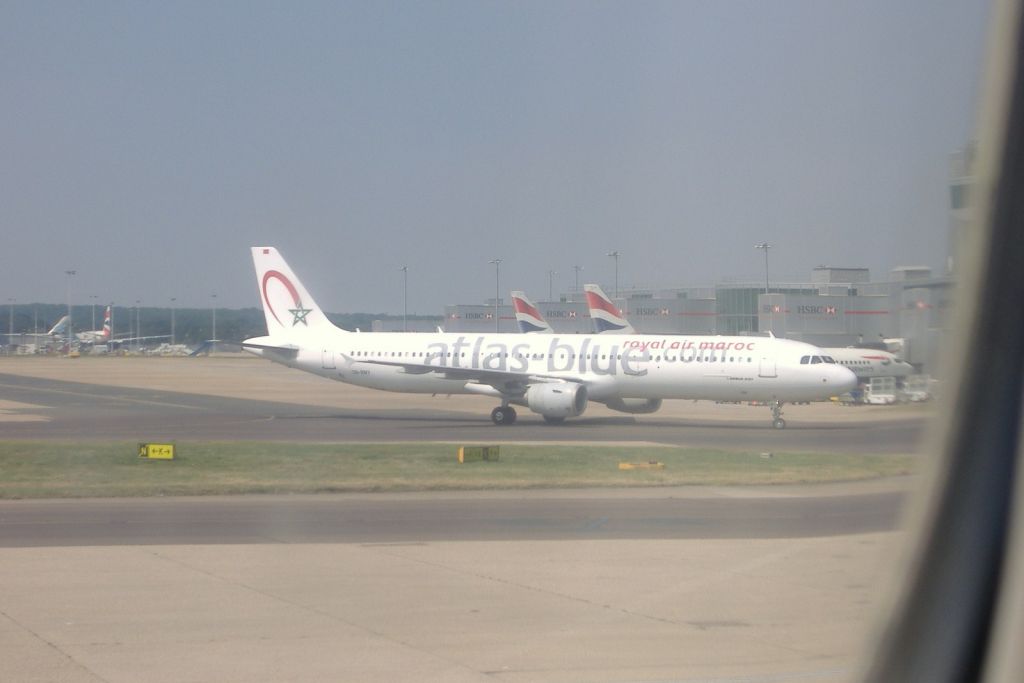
557,400
634,406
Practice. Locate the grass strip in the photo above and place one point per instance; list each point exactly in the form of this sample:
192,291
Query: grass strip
33,469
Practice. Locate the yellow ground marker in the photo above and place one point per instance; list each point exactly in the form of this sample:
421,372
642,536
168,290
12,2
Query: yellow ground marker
156,451
478,453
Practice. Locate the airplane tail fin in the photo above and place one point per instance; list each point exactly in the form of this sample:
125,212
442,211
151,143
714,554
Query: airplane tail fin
287,306
606,315
106,324
528,317
59,328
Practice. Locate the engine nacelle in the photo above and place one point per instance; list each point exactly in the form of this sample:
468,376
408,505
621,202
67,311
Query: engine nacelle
557,400
634,406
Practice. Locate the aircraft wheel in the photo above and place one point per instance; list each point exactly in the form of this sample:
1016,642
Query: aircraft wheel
779,423
503,415
552,420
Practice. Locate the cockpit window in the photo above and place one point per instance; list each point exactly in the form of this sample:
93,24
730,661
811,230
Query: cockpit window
805,360
828,359
815,360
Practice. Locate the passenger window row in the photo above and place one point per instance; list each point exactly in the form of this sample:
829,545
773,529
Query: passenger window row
542,356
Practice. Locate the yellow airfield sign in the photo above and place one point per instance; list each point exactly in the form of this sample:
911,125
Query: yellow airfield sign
156,451
478,453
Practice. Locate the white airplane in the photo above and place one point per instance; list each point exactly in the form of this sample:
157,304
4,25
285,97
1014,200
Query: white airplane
868,363
42,339
553,375
528,316
54,332
104,336
60,331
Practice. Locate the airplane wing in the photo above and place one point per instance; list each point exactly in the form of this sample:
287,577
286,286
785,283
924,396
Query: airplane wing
121,340
505,381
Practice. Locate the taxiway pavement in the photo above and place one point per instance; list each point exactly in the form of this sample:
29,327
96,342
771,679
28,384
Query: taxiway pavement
759,584
58,409
420,518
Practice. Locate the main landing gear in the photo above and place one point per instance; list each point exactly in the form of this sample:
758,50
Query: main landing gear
503,415
777,421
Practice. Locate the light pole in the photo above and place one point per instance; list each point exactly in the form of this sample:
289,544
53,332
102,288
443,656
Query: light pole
405,298
766,247
138,325
70,274
771,311
173,299
93,297
497,289
10,327
615,255
577,270
213,342
551,279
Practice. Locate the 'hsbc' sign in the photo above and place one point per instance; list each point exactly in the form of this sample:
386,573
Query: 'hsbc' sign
816,310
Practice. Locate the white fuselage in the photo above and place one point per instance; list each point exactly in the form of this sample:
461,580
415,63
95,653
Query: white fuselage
868,363
612,366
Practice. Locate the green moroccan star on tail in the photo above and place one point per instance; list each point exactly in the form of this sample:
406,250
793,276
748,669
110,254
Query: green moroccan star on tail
299,315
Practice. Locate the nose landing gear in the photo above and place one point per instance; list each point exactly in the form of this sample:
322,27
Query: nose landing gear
777,421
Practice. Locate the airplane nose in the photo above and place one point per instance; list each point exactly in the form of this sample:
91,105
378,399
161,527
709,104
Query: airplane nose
845,379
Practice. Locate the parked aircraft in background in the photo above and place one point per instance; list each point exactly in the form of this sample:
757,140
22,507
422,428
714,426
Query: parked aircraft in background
606,315
59,333
53,334
528,316
553,375
96,338
868,363
90,337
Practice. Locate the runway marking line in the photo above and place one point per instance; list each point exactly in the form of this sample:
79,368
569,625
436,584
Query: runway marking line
100,396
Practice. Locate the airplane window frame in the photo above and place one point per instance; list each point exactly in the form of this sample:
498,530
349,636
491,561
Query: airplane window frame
958,606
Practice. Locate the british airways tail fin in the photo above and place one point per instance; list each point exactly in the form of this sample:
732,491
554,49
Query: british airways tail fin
528,317
287,306
107,329
606,316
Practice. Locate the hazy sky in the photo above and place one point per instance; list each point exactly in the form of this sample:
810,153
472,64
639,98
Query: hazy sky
148,145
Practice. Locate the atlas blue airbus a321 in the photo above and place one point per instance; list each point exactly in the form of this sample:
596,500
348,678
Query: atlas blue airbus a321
553,375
